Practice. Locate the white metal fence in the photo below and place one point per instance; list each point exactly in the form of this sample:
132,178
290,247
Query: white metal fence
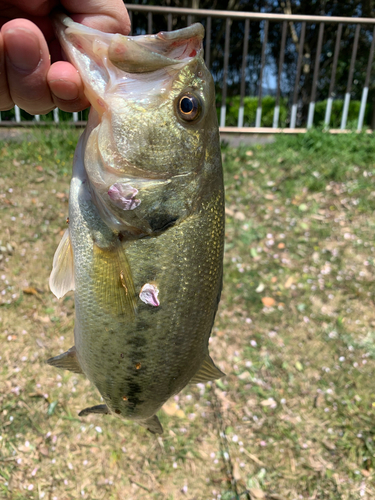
143,21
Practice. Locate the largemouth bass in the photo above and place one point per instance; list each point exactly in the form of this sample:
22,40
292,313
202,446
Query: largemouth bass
144,247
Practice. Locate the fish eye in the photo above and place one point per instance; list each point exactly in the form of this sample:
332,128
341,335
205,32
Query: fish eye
189,107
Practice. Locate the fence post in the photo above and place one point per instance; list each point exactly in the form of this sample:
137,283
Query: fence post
365,88
243,73
327,116
276,112
263,60
345,111
208,42
18,113
225,75
310,117
298,76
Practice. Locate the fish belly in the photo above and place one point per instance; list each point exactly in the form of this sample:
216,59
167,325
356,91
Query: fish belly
139,358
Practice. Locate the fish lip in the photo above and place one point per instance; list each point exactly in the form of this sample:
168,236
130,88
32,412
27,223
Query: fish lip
147,53
142,53
195,30
178,37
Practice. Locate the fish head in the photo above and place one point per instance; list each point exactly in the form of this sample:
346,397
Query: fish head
153,115
161,101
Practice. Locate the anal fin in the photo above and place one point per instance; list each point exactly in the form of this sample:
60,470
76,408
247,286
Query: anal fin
67,360
208,371
61,280
102,409
152,424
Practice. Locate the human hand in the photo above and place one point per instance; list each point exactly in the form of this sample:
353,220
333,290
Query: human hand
33,74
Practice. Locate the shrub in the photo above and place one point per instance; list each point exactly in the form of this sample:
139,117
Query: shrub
337,107
250,111
268,106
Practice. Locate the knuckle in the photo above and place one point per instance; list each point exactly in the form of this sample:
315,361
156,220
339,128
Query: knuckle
40,106
6,102
6,106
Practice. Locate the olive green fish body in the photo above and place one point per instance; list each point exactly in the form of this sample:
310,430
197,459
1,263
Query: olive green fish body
144,248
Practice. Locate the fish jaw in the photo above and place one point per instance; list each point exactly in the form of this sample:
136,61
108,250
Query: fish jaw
146,53
139,66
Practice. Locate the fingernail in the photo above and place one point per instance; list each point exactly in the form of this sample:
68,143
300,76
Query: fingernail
22,49
63,89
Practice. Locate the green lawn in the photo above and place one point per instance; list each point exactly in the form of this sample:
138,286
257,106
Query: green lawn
295,416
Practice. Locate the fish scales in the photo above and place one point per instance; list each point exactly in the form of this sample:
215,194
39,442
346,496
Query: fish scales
144,248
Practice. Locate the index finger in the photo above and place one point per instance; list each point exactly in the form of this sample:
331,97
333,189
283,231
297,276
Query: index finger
109,16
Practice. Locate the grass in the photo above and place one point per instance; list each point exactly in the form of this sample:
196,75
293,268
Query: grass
293,419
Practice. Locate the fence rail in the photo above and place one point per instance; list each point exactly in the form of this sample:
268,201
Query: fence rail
256,75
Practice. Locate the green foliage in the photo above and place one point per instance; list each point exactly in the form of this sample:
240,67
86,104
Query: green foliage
337,107
250,110
268,106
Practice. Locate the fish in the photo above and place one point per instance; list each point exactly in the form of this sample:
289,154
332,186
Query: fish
143,250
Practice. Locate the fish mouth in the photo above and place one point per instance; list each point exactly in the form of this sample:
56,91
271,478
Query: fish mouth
131,54
146,53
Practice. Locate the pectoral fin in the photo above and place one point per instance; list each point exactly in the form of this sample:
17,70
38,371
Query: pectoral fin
68,360
114,287
152,424
208,371
102,409
61,279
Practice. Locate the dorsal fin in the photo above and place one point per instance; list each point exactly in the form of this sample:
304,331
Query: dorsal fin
61,280
208,371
